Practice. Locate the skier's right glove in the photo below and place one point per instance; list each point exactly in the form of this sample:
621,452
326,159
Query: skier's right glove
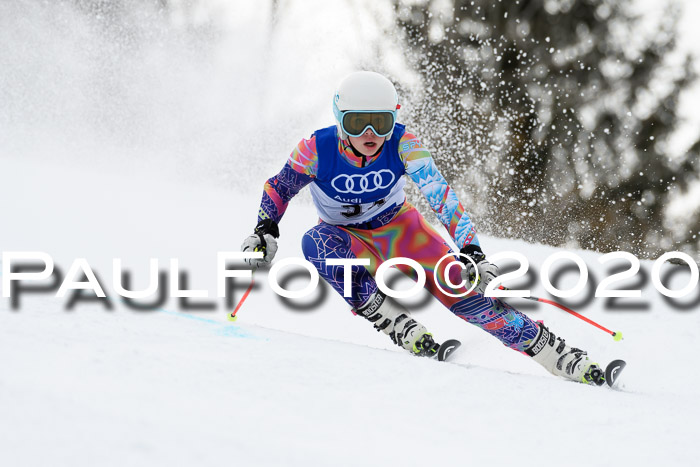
263,240
487,271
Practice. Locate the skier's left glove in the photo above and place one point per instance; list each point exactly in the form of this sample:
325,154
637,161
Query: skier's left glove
263,240
487,271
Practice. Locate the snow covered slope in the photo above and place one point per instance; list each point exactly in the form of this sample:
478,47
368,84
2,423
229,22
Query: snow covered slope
303,383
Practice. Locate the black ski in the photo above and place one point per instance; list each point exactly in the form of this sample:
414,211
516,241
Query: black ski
613,370
446,349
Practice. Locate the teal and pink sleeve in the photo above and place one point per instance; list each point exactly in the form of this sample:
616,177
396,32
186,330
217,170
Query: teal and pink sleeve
421,168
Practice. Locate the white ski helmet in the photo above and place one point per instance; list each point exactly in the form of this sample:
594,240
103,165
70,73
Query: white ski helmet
369,96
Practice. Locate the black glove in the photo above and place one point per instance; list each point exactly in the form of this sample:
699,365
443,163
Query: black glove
267,226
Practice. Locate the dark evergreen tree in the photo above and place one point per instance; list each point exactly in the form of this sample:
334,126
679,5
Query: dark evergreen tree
553,117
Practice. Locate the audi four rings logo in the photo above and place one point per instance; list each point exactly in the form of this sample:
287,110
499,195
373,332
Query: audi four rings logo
366,183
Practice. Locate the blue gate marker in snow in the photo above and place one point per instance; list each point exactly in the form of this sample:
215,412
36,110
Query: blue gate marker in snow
224,329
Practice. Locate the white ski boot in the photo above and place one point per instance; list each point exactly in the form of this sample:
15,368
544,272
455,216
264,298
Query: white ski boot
562,360
395,321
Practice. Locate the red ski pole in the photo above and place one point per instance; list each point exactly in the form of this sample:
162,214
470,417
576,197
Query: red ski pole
617,335
232,316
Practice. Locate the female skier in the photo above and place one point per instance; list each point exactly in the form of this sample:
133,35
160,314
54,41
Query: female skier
355,172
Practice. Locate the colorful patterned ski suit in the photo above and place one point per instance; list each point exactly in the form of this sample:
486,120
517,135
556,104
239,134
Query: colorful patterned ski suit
364,214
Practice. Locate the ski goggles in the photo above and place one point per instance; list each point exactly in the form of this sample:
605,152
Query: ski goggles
356,122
